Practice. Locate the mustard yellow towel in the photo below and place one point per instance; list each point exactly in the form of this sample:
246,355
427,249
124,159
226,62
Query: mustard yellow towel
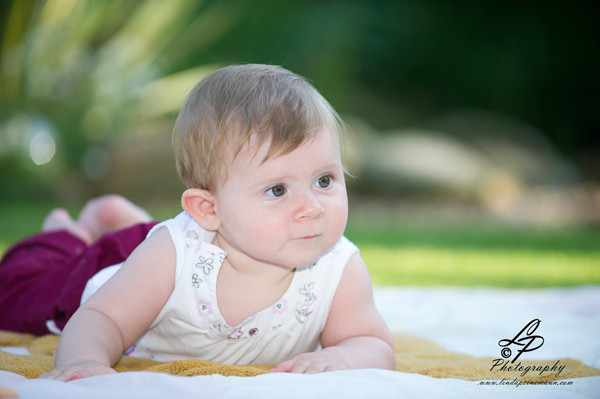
413,355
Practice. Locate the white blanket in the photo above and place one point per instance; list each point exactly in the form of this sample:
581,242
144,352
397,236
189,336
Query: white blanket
466,320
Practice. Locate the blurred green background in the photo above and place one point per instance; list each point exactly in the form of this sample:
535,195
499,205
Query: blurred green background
473,126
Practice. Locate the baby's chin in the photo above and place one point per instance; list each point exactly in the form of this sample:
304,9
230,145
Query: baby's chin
312,262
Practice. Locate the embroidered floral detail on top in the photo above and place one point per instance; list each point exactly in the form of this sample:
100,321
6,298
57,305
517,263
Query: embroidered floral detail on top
205,264
280,307
204,308
196,280
304,307
237,334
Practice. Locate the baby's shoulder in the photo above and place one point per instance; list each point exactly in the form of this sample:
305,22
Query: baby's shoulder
184,227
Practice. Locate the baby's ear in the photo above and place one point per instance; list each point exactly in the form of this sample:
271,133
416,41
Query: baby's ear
200,204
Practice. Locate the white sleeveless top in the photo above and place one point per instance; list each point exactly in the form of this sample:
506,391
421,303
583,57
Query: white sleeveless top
191,326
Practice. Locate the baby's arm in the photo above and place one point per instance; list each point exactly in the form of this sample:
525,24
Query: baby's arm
355,335
114,317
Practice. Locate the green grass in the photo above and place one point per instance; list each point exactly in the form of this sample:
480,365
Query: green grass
409,252
505,268
478,254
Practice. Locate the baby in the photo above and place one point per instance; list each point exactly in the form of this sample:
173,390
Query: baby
256,269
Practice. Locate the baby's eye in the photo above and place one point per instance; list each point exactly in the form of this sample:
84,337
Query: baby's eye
324,181
276,191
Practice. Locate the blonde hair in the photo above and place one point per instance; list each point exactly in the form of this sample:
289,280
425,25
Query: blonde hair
236,103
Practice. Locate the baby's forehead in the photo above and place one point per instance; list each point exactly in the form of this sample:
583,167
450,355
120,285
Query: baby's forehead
257,149
253,163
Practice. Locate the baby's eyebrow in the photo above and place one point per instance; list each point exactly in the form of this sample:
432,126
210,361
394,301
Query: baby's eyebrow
332,168
267,183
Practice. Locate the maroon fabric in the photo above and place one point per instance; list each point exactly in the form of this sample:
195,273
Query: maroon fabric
42,277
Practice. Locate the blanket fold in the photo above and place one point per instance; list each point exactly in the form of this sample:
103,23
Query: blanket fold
413,355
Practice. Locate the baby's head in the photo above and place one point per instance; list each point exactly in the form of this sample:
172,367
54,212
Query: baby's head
242,104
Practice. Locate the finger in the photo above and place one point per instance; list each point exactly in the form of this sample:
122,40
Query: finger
284,367
57,376
50,375
301,366
315,368
75,376
61,375
332,367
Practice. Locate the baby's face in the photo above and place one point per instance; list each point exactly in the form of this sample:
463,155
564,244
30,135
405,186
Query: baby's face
288,210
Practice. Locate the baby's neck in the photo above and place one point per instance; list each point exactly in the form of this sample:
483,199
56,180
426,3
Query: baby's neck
253,270
241,295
